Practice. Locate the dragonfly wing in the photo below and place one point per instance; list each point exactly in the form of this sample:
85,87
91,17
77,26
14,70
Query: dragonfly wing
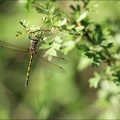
51,58
13,47
50,65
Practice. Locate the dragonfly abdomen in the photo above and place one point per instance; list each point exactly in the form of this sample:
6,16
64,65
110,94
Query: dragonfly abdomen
28,71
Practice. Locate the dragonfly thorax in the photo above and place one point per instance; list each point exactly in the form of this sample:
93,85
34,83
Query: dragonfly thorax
33,46
34,42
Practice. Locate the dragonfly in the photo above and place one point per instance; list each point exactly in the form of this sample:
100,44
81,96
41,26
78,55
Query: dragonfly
48,60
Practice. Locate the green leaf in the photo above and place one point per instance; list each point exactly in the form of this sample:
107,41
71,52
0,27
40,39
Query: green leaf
82,16
58,39
59,22
51,51
51,9
82,49
40,8
79,28
95,63
95,81
69,27
90,54
56,46
24,23
18,34
97,57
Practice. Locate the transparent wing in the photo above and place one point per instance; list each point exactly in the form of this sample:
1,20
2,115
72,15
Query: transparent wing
13,47
49,65
51,58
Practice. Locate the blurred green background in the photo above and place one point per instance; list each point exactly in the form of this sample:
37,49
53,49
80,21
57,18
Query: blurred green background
50,94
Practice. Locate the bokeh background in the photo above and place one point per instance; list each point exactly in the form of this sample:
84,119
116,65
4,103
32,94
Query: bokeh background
52,95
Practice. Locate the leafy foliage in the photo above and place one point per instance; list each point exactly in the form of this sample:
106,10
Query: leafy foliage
62,33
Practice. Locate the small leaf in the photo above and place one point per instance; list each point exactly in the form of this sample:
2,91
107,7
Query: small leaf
56,46
95,81
51,9
79,28
51,51
18,34
40,9
60,23
82,16
70,27
24,23
58,39
82,49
